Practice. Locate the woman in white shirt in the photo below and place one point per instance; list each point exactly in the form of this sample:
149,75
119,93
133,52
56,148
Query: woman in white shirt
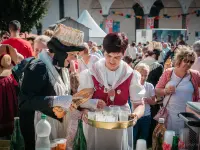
131,51
86,61
143,126
114,82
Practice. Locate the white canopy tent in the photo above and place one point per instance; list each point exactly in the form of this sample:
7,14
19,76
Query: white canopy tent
96,34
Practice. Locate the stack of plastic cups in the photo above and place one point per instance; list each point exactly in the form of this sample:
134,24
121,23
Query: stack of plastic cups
168,137
141,145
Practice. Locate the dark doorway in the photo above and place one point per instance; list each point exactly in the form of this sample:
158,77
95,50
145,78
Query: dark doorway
139,23
155,11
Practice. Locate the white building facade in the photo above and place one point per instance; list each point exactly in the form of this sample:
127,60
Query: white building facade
73,8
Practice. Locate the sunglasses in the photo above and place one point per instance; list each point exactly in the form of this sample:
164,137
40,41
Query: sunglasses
188,61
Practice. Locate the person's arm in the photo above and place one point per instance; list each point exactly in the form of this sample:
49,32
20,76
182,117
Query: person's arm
72,67
160,89
34,82
137,92
86,81
31,97
160,92
138,109
151,100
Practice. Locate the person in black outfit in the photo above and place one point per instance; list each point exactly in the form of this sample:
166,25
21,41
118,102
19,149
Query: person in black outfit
44,81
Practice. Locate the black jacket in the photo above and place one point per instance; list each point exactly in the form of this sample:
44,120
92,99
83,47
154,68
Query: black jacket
36,94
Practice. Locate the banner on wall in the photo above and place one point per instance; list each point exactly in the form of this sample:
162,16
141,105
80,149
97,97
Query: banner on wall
109,26
150,23
116,26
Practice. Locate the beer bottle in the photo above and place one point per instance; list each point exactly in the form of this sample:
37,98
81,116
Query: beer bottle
175,143
17,140
79,140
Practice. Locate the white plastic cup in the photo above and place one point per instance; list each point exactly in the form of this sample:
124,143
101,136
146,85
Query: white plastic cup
115,110
123,115
141,145
184,136
91,115
99,116
61,144
168,137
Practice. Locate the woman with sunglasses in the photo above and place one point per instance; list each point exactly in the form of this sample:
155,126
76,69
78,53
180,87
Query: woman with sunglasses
182,84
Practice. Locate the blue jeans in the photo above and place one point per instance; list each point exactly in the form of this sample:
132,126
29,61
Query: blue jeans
142,128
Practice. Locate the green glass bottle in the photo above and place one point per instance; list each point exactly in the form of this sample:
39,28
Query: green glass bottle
79,140
175,143
17,140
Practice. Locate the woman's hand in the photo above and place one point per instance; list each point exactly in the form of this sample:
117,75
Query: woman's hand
101,104
84,114
170,90
146,100
134,117
150,100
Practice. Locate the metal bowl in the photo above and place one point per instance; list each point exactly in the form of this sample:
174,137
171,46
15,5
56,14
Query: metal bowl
112,125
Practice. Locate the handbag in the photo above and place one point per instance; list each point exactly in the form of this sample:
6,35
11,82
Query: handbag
163,112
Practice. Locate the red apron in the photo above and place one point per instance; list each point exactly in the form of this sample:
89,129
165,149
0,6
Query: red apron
121,92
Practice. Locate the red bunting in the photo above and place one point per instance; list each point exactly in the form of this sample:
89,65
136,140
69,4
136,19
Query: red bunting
156,17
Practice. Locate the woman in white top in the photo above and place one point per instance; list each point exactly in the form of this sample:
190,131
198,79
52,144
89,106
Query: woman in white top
143,126
182,83
86,61
114,82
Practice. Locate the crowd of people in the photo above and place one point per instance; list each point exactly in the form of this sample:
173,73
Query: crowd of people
38,73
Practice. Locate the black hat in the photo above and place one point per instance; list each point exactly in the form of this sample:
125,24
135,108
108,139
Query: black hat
65,39
60,50
55,45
